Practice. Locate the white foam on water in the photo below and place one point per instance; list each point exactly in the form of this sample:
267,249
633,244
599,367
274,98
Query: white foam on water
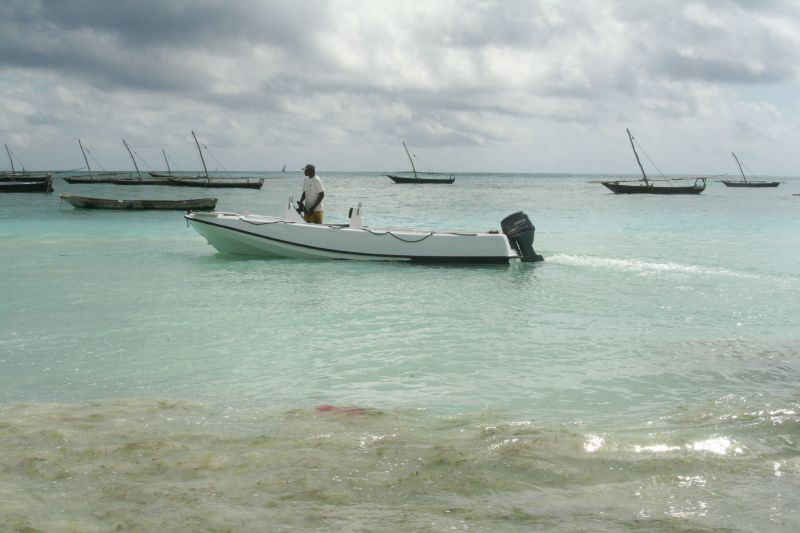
643,267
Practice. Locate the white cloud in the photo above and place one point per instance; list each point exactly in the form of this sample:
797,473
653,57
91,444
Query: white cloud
506,86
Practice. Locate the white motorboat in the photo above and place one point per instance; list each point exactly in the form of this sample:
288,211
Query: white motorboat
291,236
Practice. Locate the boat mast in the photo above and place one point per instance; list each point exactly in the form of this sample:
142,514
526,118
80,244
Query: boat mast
10,159
85,159
644,176
740,166
166,161
132,159
410,159
201,155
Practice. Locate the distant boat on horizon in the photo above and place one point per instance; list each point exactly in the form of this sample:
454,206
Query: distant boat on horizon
744,182
427,177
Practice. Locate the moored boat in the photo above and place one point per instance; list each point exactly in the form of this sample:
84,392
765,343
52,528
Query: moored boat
290,236
94,177
139,181
421,177
24,181
26,186
213,182
647,185
744,182
25,176
194,204
217,183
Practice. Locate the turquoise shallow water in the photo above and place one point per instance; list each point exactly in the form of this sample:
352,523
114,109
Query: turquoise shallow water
643,377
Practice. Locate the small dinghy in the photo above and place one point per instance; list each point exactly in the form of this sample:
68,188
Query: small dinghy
291,236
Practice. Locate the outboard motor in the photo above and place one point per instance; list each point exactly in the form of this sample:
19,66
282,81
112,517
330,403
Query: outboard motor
519,230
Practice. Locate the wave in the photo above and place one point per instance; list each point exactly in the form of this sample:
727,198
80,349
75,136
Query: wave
643,267
173,465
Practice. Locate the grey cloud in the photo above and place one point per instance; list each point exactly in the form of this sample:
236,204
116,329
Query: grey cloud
728,70
148,44
738,48
358,71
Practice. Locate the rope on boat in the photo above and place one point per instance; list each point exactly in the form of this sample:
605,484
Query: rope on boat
648,158
143,160
398,238
378,233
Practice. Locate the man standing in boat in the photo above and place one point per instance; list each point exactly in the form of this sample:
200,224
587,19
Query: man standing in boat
313,193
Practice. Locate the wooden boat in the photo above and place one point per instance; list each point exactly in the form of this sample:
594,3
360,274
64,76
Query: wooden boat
421,177
192,204
26,186
24,177
138,180
211,182
217,183
168,173
104,177
744,182
290,236
647,185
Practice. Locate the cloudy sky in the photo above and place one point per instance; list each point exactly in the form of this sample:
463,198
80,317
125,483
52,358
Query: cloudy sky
471,85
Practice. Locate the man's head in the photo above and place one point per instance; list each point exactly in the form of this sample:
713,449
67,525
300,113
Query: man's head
310,170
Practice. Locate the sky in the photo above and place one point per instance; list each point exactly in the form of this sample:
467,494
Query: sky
470,85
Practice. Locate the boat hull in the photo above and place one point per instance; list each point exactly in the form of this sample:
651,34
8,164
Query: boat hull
256,183
751,184
144,181
86,202
40,176
406,179
81,181
267,237
27,186
643,188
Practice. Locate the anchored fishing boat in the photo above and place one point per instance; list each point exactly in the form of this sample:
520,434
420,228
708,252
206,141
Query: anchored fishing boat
94,177
290,236
139,179
24,181
86,202
207,181
744,182
647,185
421,177
26,186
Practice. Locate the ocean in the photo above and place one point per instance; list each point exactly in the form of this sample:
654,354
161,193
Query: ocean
644,377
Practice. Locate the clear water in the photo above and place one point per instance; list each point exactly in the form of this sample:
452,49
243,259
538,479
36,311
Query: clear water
644,377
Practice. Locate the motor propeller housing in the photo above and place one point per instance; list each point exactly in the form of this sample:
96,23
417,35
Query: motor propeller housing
519,229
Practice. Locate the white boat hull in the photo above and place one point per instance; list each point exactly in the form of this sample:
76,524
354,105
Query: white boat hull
264,236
